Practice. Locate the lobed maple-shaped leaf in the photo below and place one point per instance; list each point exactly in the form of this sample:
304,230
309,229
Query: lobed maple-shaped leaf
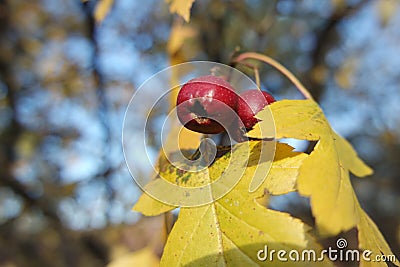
369,237
284,170
281,178
324,174
231,230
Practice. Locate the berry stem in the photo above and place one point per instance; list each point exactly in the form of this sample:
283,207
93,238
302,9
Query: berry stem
256,72
257,75
276,65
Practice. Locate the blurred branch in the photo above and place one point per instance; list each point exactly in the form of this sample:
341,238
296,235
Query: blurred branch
98,77
11,135
211,31
325,40
69,246
41,203
103,109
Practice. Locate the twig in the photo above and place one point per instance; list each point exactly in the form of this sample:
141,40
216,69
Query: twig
257,76
276,65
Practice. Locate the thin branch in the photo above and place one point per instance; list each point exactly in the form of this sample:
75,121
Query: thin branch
103,108
276,65
257,76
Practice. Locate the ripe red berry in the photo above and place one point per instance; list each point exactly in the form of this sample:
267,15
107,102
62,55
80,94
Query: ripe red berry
206,104
250,103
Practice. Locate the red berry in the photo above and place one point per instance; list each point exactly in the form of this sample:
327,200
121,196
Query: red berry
250,103
206,104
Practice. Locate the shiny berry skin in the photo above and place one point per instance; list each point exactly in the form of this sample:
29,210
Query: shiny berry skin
250,103
206,104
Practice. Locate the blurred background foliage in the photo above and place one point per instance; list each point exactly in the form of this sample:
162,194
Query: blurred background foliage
66,79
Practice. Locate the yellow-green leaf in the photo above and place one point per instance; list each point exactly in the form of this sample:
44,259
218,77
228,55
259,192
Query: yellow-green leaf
327,183
149,206
324,174
280,179
301,119
231,231
370,238
284,170
349,158
181,7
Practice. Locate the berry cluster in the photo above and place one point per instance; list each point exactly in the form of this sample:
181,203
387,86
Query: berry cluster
208,103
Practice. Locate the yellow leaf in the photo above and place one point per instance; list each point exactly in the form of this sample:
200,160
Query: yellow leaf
188,139
277,178
327,183
349,158
179,34
370,238
180,47
266,127
234,228
102,9
188,184
231,231
324,174
258,166
284,171
149,206
141,258
181,7
300,118
387,9
180,138
281,176
184,140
